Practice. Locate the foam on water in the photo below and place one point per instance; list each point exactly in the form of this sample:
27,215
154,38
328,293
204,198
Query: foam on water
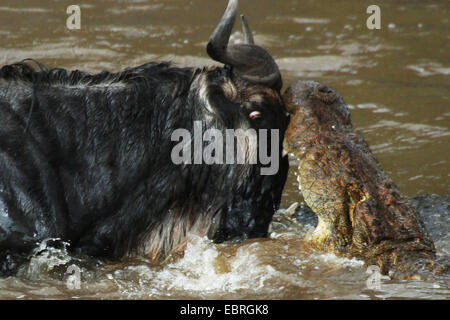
200,269
429,69
45,258
205,271
332,259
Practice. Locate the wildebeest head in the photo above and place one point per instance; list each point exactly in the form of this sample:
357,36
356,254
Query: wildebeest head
94,153
245,94
250,78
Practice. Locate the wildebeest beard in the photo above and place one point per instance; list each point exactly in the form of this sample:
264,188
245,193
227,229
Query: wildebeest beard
86,159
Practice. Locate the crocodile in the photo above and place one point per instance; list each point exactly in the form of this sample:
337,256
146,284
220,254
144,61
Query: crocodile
360,211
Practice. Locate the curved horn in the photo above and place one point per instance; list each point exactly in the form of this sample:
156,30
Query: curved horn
247,31
218,43
249,61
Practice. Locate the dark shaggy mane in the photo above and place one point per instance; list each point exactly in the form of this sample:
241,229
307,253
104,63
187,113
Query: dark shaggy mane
26,72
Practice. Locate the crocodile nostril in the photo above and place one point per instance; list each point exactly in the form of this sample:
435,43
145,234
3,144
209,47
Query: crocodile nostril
326,94
325,89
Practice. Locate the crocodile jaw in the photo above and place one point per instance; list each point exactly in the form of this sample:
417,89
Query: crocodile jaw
320,237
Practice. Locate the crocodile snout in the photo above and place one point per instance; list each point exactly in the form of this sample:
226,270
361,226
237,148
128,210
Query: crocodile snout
303,91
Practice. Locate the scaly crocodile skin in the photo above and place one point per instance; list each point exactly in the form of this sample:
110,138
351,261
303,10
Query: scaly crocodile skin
361,212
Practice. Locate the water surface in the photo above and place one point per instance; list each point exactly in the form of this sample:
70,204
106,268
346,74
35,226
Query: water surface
395,81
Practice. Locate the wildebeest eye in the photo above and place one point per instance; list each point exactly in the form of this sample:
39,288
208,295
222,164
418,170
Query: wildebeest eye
255,115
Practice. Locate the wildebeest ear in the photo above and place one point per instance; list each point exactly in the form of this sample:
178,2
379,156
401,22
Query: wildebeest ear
229,111
248,61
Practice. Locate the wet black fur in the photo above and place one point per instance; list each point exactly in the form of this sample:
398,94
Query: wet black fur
86,158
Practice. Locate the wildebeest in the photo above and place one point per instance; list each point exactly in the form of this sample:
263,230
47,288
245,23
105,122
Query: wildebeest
87,158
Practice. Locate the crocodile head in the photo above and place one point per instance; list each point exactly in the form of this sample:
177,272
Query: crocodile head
361,213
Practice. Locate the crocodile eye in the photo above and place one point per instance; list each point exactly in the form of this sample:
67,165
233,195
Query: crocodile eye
255,115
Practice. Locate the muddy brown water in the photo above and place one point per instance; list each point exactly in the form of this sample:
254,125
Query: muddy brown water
395,81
